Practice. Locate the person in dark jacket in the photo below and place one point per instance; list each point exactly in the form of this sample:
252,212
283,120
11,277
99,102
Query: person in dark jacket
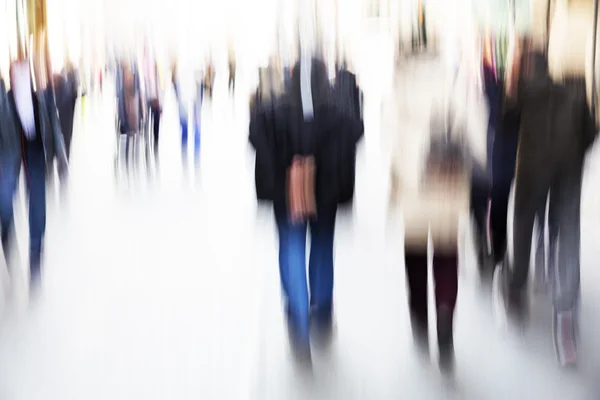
31,134
66,91
298,166
556,131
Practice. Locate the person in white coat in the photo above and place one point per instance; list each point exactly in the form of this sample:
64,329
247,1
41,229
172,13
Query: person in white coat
433,112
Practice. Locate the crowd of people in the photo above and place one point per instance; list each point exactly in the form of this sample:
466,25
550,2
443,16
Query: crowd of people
453,151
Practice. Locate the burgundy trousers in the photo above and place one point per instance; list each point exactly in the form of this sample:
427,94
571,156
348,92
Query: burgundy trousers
445,278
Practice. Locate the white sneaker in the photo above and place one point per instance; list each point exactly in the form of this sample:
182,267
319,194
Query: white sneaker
564,339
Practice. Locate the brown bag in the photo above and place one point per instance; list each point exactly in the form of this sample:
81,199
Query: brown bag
301,192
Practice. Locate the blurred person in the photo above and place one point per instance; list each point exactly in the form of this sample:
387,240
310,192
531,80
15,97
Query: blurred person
557,129
130,107
232,69
66,91
154,93
490,189
183,84
209,79
301,176
31,136
197,110
436,123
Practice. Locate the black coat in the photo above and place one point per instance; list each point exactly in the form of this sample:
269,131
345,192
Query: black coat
556,126
66,92
47,124
278,132
10,137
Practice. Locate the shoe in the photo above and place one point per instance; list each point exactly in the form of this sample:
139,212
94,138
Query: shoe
322,324
564,332
300,344
445,339
514,299
420,332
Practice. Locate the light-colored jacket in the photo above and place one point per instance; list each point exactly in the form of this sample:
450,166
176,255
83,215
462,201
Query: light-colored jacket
426,92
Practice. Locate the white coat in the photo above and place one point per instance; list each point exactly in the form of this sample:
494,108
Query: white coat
425,88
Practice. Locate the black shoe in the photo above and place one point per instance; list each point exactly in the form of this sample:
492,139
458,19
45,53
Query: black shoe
322,324
300,346
445,339
514,299
420,332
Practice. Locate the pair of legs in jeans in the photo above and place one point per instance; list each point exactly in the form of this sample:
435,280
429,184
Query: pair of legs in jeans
301,298
34,165
184,138
445,278
183,120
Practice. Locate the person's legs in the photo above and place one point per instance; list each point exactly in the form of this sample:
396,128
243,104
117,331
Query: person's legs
479,204
35,165
416,279
184,138
320,268
499,218
553,226
445,272
540,249
566,288
292,271
531,189
9,176
156,114
197,137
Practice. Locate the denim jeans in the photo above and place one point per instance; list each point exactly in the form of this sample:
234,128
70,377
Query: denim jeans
35,174
184,138
292,267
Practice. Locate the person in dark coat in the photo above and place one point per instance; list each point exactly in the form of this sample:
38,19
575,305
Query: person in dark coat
66,91
300,138
31,135
556,130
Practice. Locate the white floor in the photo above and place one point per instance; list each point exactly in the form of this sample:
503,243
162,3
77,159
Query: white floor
171,291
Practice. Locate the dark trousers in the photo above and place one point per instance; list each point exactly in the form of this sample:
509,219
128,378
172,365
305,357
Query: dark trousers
292,267
502,154
66,113
155,112
533,182
34,165
545,266
445,278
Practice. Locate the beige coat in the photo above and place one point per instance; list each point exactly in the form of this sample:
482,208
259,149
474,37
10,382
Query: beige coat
425,88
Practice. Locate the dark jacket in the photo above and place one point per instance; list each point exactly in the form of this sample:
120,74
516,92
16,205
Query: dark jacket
47,124
348,98
278,132
10,138
66,91
556,126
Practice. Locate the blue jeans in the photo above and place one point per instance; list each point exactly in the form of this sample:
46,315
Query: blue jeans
184,137
35,174
292,267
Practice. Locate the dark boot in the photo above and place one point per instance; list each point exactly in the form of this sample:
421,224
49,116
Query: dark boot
300,345
445,339
420,332
514,299
322,323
